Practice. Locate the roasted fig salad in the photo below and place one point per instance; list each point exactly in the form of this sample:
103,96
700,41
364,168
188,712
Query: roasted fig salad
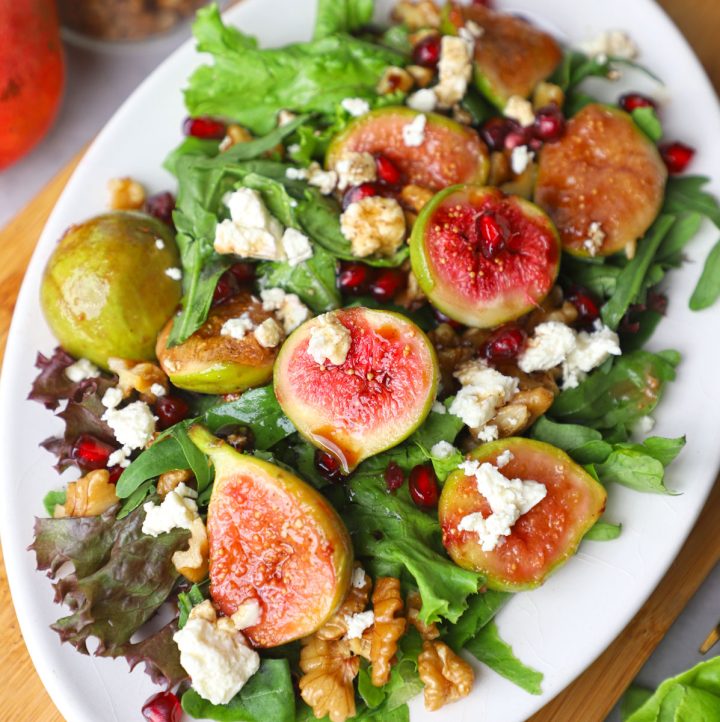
371,368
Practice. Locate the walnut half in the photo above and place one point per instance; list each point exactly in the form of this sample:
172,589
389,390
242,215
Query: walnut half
446,676
90,495
388,628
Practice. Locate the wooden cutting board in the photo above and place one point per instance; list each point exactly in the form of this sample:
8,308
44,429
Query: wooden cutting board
596,691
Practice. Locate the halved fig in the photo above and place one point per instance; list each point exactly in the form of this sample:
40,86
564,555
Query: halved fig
374,399
105,291
511,56
274,541
450,152
602,182
541,539
484,258
212,363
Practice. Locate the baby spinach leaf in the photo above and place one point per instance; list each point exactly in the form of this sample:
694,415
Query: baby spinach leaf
341,16
707,289
490,649
564,436
603,531
576,66
252,85
267,696
685,228
630,281
685,194
646,119
600,278
634,469
144,490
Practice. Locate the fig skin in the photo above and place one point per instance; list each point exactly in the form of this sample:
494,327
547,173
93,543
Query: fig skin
105,291
541,540
603,170
210,363
342,412
451,152
275,539
445,294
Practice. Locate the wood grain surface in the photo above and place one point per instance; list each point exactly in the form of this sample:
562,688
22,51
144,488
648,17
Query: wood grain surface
593,694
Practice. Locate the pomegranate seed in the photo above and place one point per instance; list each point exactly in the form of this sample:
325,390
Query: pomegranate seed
423,485
587,307
161,205
427,52
442,318
355,278
162,707
90,452
387,171
357,193
388,284
676,156
517,135
492,235
205,128
506,343
225,289
115,473
170,410
657,302
328,466
394,476
485,3
494,132
243,272
633,101
549,124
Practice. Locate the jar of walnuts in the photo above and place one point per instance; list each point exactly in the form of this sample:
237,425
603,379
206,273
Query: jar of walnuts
124,19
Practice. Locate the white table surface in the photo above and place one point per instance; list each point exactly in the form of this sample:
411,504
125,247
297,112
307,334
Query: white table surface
99,78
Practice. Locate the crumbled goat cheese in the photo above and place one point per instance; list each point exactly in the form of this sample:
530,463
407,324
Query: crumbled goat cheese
112,398
174,273
248,614
358,623
159,244
520,158
554,343
324,180
288,307
296,246
454,70
133,425
509,499
442,450
157,390
504,459
358,577
296,173
329,340
613,43
82,369
355,106
374,225
284,117
423,100
355,168
483,391
413,133
595,237
519,109
268,334
293,148
251,231
119,457
644,425
178,510
237,328
215,655
439,407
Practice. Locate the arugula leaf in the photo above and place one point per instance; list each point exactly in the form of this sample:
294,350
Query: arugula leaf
132,502
685,194
630,281
600,278
188,600
632,468
490,649
685,228
341,16
692,695
618,394
603,531
252,85
268,696
576,66
52,499
646,119
707,289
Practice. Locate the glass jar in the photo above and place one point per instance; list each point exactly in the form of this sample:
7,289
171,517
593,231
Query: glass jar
124,19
